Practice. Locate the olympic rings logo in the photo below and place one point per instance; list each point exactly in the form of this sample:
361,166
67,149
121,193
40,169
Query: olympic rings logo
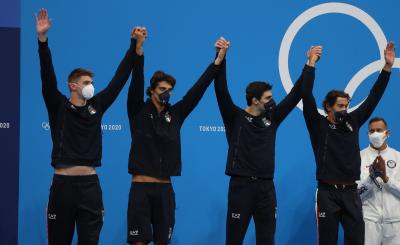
46,125
327,8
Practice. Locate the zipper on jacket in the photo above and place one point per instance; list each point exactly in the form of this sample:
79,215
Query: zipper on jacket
62,136
325,151
235,152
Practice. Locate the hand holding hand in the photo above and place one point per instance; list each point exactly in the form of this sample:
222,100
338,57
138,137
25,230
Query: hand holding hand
381,165
221,46
313,55
139,33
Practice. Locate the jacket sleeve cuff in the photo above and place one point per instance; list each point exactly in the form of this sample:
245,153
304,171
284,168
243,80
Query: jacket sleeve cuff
308,68
43,44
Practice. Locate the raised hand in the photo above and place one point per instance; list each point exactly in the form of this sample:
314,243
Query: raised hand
390,55
140,34
221,46
43,24
313,55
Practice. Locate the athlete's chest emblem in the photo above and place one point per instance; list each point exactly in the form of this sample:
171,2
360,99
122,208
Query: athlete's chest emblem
266,122
347,124
91,110
391,164
167,117
349,127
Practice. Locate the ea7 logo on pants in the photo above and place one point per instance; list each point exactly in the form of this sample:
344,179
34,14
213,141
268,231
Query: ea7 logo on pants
235,216
52,216
321,215
134,233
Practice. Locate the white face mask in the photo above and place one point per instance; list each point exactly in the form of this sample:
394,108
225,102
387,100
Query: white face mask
88,91
377,139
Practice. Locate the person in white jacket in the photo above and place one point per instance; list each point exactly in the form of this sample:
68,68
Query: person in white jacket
379,187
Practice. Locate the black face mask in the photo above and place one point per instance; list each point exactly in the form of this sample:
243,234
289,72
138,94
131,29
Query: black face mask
341,116
269,105
164,97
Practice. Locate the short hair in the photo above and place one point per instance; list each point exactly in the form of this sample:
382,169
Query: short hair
255,90
331,97
377,119
77,73
157,77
